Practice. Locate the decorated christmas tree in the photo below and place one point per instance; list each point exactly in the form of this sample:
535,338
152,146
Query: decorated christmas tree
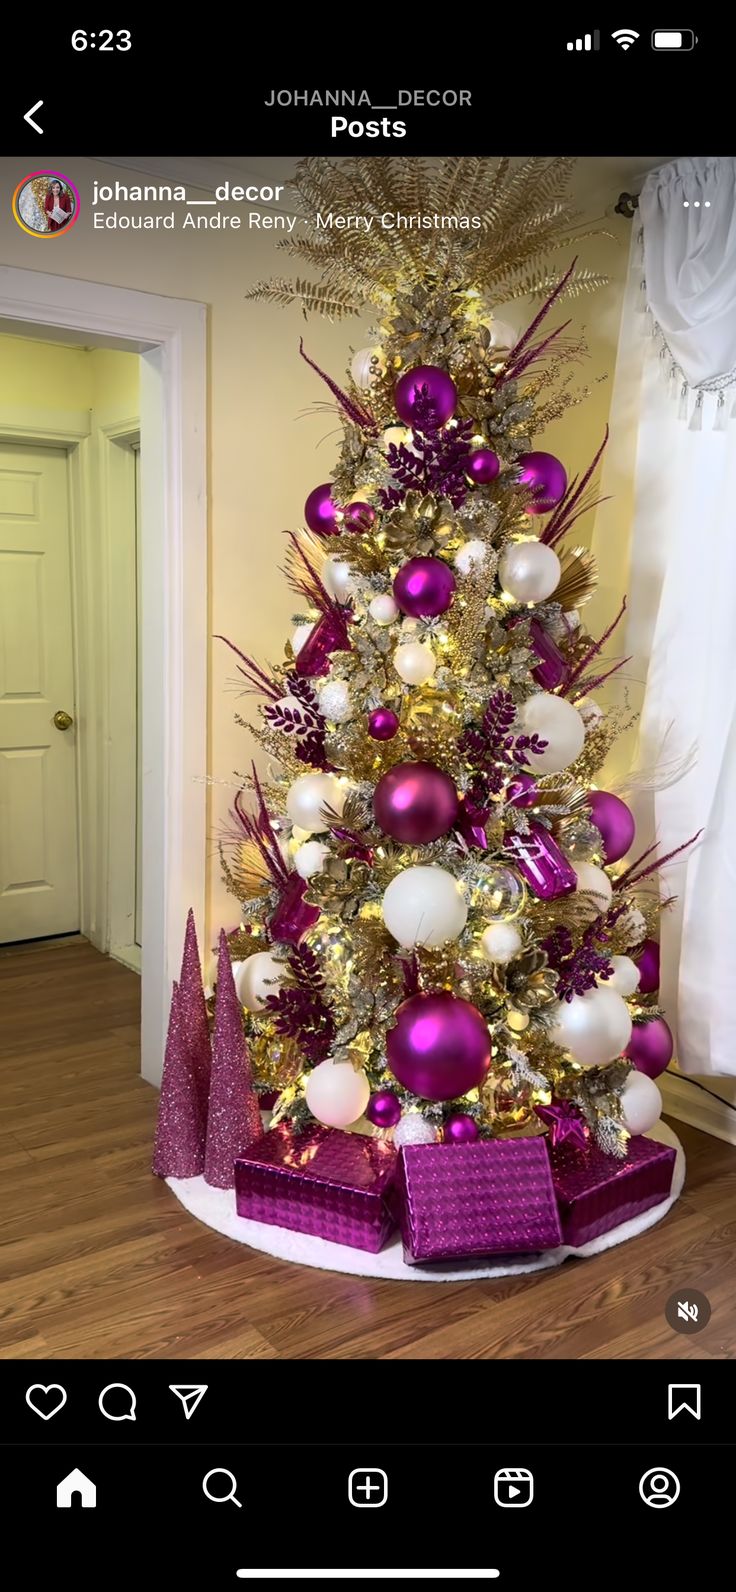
444,934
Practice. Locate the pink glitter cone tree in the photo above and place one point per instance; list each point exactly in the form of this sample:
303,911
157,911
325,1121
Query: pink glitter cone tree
194,1018
179,1145
234,1119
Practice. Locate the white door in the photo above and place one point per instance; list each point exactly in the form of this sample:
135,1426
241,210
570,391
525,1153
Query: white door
39,882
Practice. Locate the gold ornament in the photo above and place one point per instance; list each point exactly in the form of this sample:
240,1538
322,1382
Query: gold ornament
276,1059
524,985
246,942
511,1110
421,524
427,708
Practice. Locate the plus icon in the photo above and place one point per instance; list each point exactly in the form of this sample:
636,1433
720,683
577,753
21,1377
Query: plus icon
367,1489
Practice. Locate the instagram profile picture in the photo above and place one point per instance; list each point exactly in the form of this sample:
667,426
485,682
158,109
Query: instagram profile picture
46,204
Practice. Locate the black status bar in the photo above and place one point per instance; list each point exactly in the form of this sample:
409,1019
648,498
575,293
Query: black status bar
524,87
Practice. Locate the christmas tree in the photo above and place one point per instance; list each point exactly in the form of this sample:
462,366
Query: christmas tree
443,932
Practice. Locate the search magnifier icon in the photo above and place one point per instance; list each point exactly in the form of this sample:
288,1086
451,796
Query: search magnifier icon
218,1496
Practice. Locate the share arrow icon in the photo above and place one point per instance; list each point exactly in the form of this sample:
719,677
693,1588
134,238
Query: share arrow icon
191,1395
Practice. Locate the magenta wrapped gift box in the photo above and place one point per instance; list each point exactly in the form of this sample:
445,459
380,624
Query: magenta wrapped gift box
464,1201
595,1192
322,1181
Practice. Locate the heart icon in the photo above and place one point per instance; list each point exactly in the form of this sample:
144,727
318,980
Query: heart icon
47,1401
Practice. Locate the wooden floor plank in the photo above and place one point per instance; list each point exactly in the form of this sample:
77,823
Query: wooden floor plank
98,1260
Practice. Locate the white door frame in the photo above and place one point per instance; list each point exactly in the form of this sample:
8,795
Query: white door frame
116,467
170,336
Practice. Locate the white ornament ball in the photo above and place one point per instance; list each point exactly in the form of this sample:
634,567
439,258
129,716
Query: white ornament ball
334,701
424,906
383,609
338,578
364,365
641,1104
471,556
310,858
559,724
308,795
414,662
397,436
209,976
412,1129
595,1027
594,879
257,978
500,943
299,835
529,571
625,976
300,636
336,1094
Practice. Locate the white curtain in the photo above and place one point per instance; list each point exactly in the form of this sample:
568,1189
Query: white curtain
682,625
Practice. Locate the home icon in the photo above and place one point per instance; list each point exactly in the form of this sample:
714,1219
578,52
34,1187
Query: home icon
76,1486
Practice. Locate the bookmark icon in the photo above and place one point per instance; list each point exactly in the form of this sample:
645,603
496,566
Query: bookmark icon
683,1397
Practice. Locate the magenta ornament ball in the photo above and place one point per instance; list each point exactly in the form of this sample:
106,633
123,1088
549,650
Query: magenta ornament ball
382,724
359,517
425,382
615,821
522,791
459,1129
383,1109
415,803
648,964
320,512
650,1046
482,466
440,1046
423,587
547,478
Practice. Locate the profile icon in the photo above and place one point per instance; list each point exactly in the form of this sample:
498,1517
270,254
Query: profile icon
659,1487
45,204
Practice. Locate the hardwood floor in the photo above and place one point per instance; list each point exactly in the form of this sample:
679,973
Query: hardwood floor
98,1260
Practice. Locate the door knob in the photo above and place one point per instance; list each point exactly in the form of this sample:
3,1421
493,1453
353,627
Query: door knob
62,720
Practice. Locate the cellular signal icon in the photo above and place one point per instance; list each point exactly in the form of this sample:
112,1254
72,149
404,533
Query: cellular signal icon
589,41
625,37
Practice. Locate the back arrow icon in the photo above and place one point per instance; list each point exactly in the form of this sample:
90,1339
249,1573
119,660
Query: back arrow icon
30,115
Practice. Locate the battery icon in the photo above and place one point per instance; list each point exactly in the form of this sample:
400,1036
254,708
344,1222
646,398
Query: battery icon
673,39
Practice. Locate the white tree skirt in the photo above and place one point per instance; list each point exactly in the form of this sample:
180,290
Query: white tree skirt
216,1208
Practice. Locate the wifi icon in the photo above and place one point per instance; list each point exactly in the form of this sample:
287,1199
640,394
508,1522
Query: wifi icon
625,37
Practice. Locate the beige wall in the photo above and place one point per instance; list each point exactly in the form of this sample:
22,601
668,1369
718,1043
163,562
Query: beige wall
48,376
41,376
268,445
